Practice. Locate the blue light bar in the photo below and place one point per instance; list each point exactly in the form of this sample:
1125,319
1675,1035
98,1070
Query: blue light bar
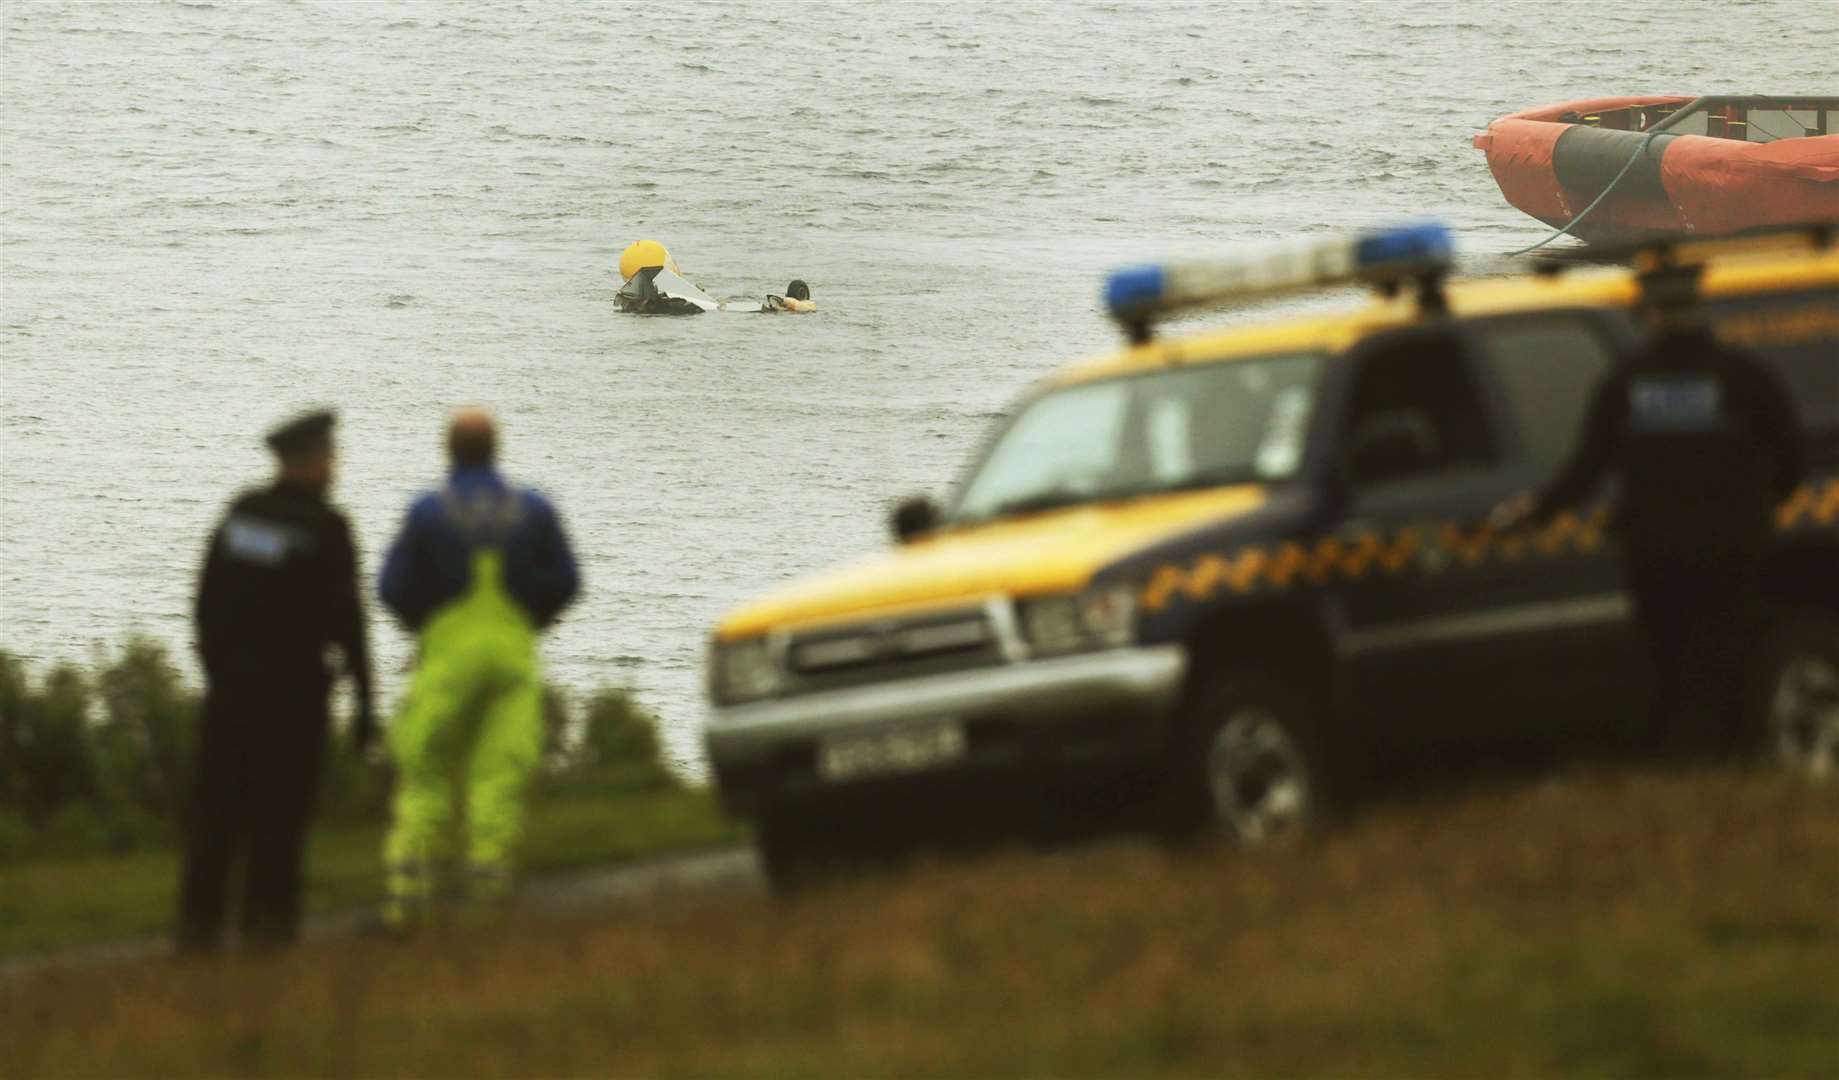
1141,293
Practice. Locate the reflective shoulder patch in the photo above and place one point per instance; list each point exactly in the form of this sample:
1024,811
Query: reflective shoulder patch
254,540
1675,403
485,518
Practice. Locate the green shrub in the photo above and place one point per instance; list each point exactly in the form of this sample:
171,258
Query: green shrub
354,790
13,691
619,731
99,827
94,765
556,711
17,836
144,743
49,759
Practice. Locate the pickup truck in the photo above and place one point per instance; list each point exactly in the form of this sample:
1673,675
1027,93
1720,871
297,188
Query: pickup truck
1248,566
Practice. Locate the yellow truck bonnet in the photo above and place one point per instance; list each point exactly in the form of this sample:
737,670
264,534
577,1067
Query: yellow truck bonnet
1048,552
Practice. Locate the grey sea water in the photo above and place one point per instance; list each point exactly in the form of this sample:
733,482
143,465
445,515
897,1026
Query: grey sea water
214,214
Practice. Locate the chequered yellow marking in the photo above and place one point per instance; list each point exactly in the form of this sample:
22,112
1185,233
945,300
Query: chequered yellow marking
1404,547
1471,549
1810,505
1284,567
1567,529
1255,567
1245,572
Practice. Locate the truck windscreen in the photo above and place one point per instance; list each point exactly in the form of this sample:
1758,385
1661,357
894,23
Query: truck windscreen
1170,429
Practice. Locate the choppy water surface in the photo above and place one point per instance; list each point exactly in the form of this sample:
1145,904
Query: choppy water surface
214,214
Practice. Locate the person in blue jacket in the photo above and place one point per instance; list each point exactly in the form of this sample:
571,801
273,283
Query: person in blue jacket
478,571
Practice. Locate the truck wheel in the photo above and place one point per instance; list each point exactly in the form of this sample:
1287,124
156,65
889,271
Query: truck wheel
1249,769
784,843
1794,712
801,848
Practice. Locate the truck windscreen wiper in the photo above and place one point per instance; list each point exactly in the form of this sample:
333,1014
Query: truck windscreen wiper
1044,500
1062,497
1207,478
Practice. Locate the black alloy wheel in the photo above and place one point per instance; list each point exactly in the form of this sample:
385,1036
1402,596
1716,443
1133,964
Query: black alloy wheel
1793,707
1248,769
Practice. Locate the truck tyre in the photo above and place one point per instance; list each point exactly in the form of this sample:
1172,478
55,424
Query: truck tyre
787,848
1793,708
1248,766
807,846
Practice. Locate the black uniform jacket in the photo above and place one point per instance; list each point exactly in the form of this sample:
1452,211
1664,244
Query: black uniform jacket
1704,441
279,585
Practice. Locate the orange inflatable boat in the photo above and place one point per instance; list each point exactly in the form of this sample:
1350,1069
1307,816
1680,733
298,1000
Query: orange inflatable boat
1703,166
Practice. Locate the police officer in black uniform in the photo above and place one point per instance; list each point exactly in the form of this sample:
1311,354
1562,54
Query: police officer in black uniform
279,586
1705,444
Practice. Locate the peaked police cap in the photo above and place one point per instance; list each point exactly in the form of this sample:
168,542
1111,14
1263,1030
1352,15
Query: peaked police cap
303,434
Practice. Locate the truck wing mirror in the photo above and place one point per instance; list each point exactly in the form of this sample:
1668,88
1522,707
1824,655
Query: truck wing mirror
914,517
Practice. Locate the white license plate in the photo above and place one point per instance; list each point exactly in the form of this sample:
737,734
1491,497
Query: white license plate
903,750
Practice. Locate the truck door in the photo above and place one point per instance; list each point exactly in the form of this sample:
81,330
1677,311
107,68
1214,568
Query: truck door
1434,628
1584,657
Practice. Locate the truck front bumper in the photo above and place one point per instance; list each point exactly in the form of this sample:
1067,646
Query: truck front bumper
1093,709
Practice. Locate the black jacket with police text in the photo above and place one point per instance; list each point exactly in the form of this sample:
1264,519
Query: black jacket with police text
279,585
1704,441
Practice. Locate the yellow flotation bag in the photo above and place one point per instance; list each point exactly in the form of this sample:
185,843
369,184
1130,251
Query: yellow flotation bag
645,253
789,303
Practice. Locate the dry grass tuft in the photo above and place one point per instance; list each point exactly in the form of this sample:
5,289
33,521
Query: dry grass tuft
1606,924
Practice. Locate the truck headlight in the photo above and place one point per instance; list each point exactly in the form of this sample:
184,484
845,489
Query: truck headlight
1101,618
741,671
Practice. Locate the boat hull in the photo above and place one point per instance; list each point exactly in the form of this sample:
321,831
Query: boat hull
1698,184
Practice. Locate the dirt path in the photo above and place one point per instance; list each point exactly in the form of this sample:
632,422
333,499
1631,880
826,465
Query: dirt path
725,872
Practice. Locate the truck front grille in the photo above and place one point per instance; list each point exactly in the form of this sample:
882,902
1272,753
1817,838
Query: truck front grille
894,648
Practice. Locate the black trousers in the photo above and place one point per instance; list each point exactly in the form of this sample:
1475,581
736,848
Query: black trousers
255,779
1698,615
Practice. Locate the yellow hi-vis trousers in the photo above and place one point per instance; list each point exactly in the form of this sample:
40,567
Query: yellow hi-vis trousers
474,715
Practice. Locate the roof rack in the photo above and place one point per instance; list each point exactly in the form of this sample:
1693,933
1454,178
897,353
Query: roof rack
1388,258
1686,251
1678,250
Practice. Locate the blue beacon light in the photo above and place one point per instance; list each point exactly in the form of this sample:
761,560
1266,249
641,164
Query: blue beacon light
1417,245
1134,288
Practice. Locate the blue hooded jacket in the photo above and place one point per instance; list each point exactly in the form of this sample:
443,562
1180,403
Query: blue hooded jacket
430,562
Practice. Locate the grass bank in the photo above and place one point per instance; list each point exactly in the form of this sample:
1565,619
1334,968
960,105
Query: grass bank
593,817
1605,925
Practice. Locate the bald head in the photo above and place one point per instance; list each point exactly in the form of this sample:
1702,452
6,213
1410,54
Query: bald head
472,438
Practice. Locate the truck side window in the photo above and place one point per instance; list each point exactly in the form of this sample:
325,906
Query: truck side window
1415,410
1548,370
